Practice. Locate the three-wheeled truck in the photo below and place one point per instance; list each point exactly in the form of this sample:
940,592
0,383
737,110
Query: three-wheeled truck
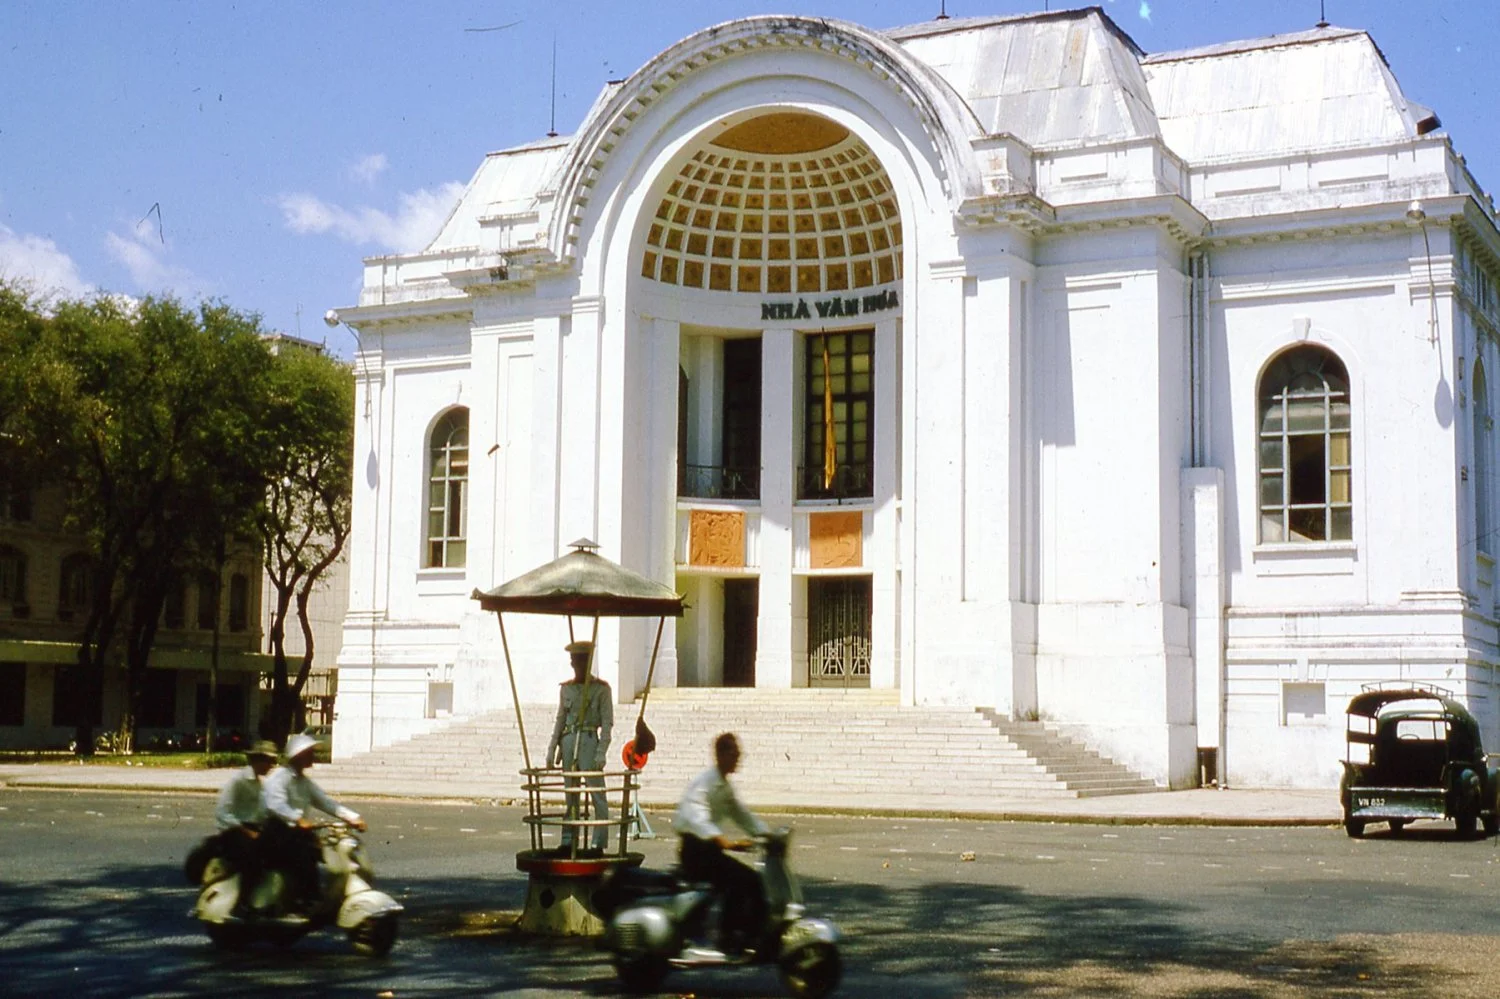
1412,752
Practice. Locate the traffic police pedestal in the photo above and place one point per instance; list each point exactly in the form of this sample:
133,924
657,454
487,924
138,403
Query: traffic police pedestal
561,881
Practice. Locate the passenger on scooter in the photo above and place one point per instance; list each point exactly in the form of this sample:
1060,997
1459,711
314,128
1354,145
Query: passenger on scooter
290,795
707,802
240,816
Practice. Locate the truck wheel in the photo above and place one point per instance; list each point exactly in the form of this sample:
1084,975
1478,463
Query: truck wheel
1354,827
1464,825
1491,824
642,973
1397,825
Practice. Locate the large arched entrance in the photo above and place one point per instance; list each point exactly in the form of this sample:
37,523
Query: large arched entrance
775,247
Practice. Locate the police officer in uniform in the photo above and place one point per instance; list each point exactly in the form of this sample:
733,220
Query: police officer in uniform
580,737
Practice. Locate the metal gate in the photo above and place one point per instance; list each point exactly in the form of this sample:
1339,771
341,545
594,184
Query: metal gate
838,631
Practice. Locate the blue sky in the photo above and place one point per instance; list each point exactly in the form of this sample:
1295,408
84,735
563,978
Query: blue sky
256,151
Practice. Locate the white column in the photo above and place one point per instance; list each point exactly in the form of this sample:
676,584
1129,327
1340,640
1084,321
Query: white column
881,555
774,630
1204,589
662,503
486,429
579,497
546,394
706,397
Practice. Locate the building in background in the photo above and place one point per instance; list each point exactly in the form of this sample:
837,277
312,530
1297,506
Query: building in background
44,594
993,361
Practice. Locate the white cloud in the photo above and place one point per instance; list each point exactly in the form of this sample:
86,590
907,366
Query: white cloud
415,222
368,169
141,252
1145,11
41,265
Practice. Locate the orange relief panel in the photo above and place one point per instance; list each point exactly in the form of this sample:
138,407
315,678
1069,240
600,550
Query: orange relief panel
836,540
717,538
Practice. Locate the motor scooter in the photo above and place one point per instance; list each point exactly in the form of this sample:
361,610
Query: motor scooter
345,898
656,923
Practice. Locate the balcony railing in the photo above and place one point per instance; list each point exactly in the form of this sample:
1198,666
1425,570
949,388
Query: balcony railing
849,482
718,482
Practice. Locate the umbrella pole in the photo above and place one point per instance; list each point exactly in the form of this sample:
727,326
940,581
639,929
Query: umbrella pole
514,696
593,652
661,623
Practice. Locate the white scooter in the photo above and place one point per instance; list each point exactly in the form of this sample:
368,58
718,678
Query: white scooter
345,899
656,924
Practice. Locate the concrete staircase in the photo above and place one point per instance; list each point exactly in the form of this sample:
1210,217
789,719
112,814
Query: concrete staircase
802,747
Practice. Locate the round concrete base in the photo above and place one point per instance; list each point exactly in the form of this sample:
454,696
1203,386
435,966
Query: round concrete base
560,907
560,892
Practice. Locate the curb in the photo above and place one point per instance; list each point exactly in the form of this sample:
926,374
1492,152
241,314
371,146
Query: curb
842,811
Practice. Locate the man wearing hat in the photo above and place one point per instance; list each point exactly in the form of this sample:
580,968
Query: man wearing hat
290,796
580,737
240,814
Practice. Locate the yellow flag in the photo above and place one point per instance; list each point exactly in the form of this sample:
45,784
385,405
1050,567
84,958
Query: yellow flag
830,440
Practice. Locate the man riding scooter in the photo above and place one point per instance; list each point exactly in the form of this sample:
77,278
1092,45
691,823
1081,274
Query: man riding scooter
708,801
290,795
240,815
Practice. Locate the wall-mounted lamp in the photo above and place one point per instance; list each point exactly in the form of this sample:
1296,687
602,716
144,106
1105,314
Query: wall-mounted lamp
332,321
1415,213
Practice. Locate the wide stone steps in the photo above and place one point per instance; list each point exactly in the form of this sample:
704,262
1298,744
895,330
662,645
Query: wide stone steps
801,746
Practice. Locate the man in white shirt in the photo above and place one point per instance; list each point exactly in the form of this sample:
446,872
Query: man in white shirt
708,801
240,815
242,807
290,796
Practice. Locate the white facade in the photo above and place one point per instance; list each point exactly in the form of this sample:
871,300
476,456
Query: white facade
1065,281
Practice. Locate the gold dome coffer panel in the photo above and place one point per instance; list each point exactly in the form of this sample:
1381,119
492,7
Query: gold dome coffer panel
742,219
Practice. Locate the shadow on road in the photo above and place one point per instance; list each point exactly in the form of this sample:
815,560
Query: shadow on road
127,933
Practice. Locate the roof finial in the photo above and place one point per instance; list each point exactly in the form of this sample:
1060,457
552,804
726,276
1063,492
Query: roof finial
1322,13
943,10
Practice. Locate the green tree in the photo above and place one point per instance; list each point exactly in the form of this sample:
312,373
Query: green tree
202,421
151,416
304,520
22,379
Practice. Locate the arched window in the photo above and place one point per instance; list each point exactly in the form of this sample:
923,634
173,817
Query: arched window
174,606
12,576
447,491
1305,489
239,602
75,589
1484,469
208,601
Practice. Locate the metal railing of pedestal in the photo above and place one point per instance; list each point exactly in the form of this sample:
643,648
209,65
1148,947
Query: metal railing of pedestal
548,808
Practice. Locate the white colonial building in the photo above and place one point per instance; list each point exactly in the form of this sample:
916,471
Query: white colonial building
992,361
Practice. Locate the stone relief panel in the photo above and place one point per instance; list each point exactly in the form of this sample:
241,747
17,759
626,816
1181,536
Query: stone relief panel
717,539
836,540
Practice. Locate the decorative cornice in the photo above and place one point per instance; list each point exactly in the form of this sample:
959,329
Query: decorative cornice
382,317
1036,217
1328,223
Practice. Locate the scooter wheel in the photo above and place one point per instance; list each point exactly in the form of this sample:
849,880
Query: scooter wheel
641,974
225,937
375,936
813,971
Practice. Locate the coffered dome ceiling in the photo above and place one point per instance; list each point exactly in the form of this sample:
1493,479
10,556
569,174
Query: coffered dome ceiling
781,203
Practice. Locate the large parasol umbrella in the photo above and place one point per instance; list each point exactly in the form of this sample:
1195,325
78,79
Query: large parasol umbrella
584,583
